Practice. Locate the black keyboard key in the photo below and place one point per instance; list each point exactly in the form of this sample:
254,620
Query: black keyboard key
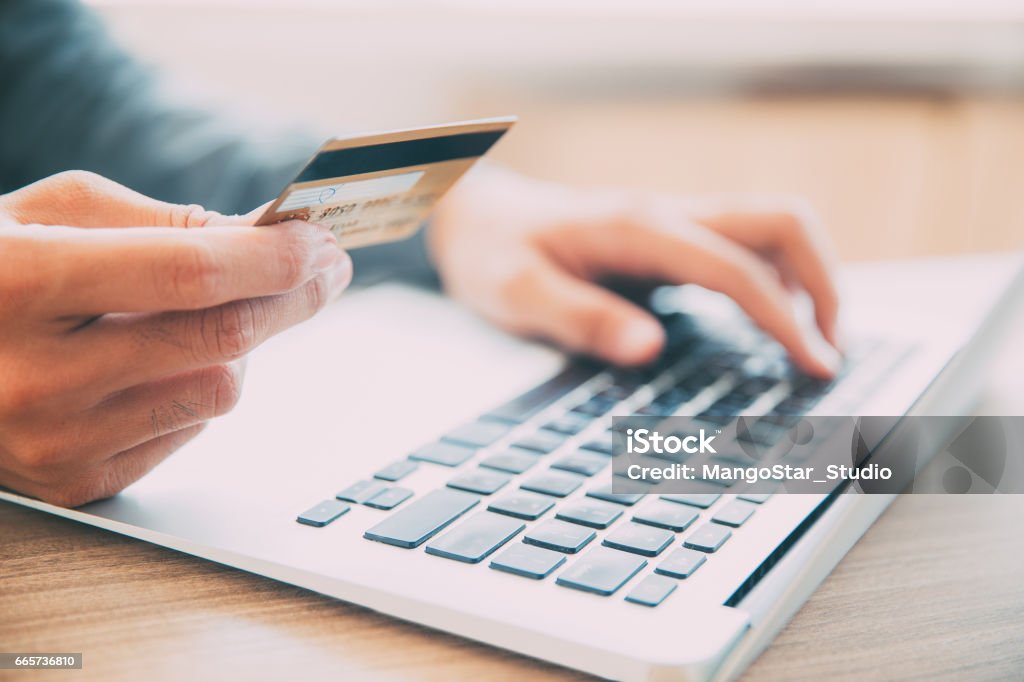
674,517
541,441
323,513
708,538
811,387
581,463
701,500
522,505
447,454
652,590
477,434
360,492
528,561
761,432
570,424
715,418
632,378
785,421
605,493
673,397
600,445
389,499
560,536
416,523
615,394
591,513
639,539
513,461
692,384
727,358
734,514
476,538
595,406
653,410
537,399
480,481
555,483
602,571
751,389
396,471
681,563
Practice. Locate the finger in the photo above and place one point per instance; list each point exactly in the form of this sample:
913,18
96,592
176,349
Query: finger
719,264
145,412
90,272
659,245
124,468
85,199
75,486
128,350
131,417
584,317
794,239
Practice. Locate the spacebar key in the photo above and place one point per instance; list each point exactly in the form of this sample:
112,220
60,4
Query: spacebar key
423,519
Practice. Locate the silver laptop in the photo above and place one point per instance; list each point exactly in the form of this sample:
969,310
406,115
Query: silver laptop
398,453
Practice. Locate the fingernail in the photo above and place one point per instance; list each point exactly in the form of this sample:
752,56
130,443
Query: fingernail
827,355
327,256
639,340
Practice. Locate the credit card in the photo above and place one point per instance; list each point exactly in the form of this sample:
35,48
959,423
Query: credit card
380,187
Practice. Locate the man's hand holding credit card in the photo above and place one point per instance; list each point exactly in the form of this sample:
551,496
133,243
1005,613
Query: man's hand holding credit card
380,187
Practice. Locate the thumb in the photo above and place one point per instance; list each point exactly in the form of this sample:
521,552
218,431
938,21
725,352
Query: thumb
587,318
84,199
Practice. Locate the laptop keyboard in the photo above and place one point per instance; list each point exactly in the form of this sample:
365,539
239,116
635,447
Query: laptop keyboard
514,467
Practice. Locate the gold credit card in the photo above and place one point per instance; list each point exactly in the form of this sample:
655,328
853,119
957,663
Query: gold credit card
380,187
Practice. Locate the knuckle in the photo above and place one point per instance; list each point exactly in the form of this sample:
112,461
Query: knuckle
792,225
79,187
188,215
21,397
223,388
518,287
739,270
597,330
294,258
231,330
40,454
751,277
194,277
317,293
78,183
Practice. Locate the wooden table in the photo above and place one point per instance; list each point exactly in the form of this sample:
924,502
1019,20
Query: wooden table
935,589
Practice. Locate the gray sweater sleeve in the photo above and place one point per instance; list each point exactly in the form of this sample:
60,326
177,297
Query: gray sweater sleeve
70,98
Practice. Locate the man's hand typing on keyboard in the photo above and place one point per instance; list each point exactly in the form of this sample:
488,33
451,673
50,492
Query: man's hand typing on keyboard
117,345
528,255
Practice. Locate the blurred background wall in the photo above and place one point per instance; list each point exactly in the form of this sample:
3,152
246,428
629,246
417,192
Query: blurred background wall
902,120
